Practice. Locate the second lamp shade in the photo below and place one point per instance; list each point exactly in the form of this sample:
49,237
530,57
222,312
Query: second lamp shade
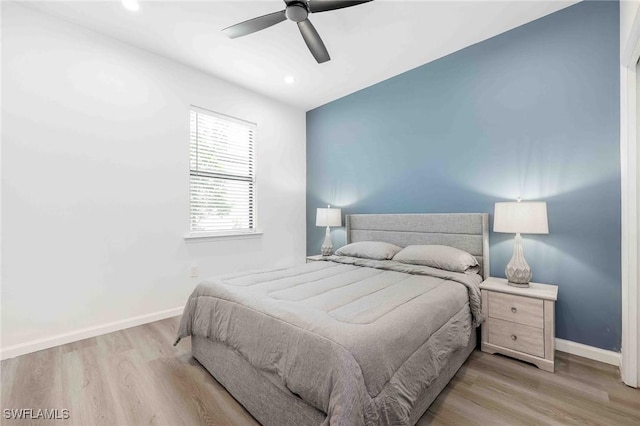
329,217
525,217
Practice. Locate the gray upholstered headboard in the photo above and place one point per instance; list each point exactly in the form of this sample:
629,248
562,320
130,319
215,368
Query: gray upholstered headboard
466,231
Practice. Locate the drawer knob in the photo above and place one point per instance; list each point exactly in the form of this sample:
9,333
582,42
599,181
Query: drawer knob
514,337
514,310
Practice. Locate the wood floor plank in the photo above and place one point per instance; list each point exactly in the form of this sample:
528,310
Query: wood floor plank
8,374
114,343
129,378
36,385
81,344
184,384
137,377
87,394
542,399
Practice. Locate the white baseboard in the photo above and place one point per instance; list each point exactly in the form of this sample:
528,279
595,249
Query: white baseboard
85,333
590,352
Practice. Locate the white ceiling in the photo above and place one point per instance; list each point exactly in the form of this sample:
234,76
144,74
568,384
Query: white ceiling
367,43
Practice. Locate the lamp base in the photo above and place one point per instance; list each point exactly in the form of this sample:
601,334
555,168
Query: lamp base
327,247
518,271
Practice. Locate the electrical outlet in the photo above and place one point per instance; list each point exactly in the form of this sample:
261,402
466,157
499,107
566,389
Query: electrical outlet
194,271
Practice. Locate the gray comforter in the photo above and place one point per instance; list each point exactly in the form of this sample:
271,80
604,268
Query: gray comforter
358,339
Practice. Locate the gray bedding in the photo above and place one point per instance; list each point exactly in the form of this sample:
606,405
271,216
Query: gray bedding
358,339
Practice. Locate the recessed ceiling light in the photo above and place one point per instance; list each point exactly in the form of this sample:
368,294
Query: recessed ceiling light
132,5
289,79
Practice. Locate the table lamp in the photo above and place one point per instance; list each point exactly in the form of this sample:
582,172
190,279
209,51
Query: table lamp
328,217
528,217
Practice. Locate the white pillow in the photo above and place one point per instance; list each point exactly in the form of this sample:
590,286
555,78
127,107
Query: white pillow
441,257
376,250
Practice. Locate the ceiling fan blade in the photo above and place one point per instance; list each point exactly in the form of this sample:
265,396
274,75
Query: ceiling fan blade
255,24
313,40
326,5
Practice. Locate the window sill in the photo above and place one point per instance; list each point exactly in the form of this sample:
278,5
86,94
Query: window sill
203,237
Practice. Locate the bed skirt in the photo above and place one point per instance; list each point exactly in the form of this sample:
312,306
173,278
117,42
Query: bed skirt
271,404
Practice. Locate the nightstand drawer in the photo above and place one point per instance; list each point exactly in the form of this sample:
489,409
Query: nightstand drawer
519,337
518,309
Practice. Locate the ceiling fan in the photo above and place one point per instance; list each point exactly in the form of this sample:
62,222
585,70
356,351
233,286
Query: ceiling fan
298,12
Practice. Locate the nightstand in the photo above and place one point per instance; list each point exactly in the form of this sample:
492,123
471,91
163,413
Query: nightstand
315,258
520,322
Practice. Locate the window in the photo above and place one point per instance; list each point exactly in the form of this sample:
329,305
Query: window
222,174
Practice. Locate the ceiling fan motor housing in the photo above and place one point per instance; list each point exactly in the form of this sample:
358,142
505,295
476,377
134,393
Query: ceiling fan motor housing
297,11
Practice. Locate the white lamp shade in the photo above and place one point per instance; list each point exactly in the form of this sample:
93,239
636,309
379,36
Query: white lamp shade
329,217
525,217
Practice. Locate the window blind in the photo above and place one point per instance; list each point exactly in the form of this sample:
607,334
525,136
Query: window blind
222,173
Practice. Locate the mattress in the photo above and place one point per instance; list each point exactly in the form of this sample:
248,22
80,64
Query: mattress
359,340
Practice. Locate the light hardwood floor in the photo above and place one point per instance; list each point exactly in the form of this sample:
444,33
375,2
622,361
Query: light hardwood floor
136,377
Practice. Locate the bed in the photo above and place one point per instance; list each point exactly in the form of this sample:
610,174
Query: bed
347,340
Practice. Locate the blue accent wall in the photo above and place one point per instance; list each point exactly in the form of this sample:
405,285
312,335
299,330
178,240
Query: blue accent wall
533,112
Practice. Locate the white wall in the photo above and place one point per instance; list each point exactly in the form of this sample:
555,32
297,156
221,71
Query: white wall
95,182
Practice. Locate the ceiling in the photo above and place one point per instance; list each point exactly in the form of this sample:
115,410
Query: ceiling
367,43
